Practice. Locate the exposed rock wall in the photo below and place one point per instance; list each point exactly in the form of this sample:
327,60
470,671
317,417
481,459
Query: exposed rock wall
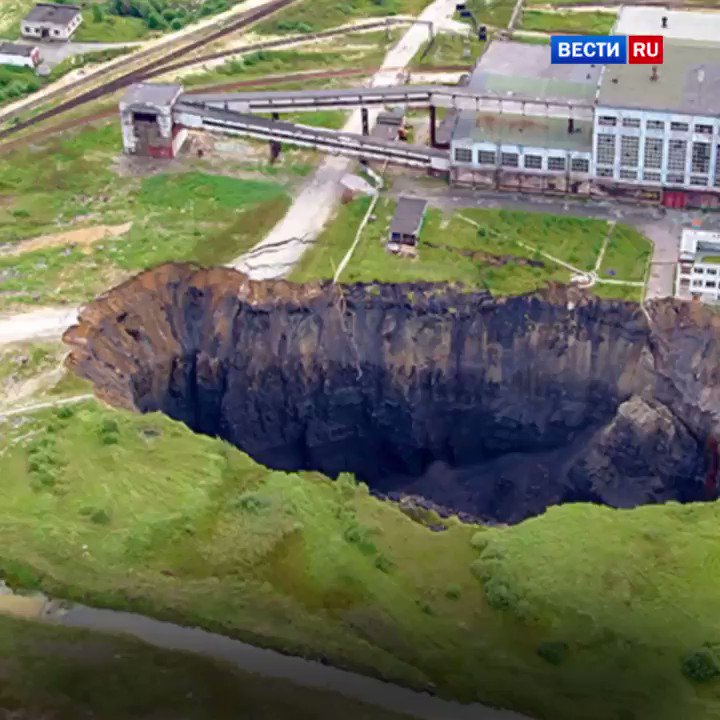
554,396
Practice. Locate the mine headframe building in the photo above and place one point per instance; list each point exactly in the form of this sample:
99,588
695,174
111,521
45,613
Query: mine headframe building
148,125
517,122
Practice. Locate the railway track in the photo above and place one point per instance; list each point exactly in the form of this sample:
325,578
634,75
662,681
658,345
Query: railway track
137,74
283,42
224,87
161,66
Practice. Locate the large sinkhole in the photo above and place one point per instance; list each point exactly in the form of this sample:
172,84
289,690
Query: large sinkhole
493,408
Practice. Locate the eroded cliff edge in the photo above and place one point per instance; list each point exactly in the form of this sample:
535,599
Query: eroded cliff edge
497,407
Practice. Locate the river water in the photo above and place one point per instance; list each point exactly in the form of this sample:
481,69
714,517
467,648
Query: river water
269,663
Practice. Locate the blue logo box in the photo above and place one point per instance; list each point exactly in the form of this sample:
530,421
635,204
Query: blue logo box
588,49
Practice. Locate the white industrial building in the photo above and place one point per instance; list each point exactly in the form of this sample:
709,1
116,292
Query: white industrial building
628,130
19,55
51,21
698,272
512,150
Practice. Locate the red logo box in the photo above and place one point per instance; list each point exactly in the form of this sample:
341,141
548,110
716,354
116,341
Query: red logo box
645,49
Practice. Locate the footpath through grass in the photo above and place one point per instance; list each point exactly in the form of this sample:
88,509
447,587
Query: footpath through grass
489,252
548,617
65,674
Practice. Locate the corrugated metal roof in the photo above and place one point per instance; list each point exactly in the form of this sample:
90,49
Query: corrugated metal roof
52,13
152,94
9,48
520,70
408,216
687,82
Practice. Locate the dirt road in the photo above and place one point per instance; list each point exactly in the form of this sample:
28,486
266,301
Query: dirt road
40,324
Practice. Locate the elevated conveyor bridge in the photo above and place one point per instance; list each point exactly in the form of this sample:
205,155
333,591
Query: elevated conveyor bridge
334,142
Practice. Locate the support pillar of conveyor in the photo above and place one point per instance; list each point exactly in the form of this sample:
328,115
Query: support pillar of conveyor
365,121
433,126
275,146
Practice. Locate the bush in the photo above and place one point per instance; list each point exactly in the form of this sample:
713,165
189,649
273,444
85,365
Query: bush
700,666
64,412
97,13
552,652
108,432
453,592
251,502
384,563
358,535
99,516
109,425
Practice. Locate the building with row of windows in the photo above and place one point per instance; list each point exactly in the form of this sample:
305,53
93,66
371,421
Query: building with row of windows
629,130
698,272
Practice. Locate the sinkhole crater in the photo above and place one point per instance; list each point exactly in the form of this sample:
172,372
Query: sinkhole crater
493,408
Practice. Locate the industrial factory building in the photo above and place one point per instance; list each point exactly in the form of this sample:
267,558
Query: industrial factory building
517,122
513,150
633,131
698,272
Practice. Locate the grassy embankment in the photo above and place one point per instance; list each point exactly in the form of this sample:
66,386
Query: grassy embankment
65,674
456,251
71,183
587,23
548,617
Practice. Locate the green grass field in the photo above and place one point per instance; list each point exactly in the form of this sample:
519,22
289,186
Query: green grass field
627,255
584,612
71,183
111,28
590,23
448,49
63,673
532,39
454,250
495,13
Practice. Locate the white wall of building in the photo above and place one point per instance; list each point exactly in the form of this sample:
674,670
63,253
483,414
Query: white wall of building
53,31
694,167
527,158
696,277
17,60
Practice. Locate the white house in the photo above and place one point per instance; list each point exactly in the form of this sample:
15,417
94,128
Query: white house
19,55
51,21
698,272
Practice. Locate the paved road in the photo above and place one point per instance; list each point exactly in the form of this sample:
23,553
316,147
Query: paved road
284,245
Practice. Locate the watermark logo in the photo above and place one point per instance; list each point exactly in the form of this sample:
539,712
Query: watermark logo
606,49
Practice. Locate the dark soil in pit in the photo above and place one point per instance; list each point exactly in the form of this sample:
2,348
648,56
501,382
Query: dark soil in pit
497,408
